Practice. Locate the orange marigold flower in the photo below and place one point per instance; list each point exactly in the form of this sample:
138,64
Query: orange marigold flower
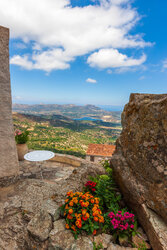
73,227
87,215
70,211
83,211
78,223
92,201
87,204
66,200
94,232
101,219
71,203
69,193
75,200
95,218
97,200
69,217
66,207
82,204
67,226
95,213
84,218
64,213
78,216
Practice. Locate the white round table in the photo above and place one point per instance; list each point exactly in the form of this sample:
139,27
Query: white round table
39,155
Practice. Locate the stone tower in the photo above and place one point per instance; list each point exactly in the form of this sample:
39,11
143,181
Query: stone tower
8,156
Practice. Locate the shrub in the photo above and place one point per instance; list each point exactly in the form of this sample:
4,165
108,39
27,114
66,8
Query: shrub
21,137
82,213
105,164
105,190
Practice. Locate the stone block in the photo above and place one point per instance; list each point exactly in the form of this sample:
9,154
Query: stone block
67,159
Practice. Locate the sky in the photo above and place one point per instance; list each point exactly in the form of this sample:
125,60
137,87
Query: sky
85,51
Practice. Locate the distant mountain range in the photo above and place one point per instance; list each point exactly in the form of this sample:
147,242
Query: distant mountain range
69,110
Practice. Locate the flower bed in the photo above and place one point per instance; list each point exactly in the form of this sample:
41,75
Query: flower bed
98,209
82,213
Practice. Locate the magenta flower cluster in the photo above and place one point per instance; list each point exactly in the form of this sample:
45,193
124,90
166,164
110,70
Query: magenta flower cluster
122,221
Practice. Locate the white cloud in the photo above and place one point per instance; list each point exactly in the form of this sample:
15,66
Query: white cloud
45,60
55,24
36,46
91,80
112,58
22,61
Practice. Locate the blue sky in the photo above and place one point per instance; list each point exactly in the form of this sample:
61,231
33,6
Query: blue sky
85,52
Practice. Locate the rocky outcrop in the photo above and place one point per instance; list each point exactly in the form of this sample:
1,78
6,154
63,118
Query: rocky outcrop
140,163
8,163
40,225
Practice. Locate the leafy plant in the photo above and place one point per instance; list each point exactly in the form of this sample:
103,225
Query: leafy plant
97,247
122,224
82,213
21,137
105,190
105,164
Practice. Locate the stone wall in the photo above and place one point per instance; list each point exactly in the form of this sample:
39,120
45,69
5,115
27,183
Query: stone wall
140,162
8,156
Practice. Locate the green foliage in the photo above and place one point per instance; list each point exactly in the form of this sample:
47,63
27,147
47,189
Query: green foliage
97,246
21,137
105,164
105,190
141,246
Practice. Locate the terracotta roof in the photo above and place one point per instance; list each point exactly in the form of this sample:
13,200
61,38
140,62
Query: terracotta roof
100,149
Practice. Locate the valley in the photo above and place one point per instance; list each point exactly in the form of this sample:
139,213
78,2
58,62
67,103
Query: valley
62,134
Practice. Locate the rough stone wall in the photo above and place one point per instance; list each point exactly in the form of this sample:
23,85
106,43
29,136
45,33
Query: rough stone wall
8,155
140,159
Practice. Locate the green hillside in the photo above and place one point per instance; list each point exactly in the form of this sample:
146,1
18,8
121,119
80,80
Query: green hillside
64,135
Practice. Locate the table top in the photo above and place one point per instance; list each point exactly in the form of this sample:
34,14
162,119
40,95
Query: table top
39,155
